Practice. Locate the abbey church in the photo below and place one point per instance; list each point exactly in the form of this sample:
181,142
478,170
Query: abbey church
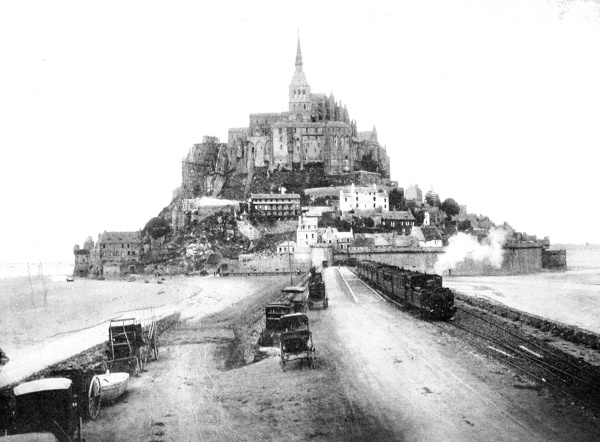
315,132
315,129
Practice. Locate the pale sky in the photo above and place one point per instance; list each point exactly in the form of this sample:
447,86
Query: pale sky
495,104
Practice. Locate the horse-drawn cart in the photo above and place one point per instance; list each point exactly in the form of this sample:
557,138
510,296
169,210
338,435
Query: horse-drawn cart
131,340
295,341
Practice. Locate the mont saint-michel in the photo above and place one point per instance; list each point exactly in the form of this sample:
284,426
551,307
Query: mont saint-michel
292,290
315,133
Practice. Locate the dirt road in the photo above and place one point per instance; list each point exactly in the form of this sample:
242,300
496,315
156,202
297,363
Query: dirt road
381,375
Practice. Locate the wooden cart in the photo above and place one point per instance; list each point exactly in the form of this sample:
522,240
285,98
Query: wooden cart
132,340
295,341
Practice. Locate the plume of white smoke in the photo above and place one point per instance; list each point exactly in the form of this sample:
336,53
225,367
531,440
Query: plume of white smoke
463,247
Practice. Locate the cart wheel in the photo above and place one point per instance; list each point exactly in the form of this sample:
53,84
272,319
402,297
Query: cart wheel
94,399
155,347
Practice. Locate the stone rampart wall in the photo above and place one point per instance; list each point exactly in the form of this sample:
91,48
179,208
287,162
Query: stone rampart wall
522,259
273,263
554,259
410,258
567,332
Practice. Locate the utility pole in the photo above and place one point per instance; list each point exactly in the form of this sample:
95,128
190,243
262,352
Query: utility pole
289,258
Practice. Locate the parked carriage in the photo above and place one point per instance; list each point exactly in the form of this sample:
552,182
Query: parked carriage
48,405
295,341
273,312
131,341
296,295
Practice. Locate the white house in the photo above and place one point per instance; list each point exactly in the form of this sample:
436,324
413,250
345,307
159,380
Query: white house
363,198
339,240
345,239
428,236
306,233
286,247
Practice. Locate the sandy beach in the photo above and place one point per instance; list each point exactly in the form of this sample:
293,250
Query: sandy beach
571,297
45,321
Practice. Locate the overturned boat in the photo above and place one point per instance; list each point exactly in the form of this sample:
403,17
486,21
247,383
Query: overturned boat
113,385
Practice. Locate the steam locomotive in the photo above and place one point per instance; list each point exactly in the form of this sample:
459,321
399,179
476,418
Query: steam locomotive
421,290
317,296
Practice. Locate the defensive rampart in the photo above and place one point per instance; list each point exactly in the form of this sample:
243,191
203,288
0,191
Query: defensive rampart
564,331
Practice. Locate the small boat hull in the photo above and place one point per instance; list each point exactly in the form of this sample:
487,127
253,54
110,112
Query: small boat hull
113,385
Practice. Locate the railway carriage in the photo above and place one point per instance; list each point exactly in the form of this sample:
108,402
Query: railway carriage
421,290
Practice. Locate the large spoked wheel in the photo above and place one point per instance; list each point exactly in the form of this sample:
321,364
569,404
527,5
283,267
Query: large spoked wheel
94,398
155,347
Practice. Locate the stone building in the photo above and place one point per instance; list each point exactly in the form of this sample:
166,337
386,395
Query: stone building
283,205
413,193
428,236
401,221
306,233
364,198
316,129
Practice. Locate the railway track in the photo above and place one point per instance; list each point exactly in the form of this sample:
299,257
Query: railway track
547,365
505,340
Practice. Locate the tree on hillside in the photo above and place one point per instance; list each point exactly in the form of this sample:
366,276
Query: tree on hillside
419,217
397,201
450,207
465,226
156,228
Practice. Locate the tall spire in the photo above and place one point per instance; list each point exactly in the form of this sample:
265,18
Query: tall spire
299,52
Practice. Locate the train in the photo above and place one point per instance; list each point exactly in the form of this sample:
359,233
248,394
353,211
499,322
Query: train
317,296
423,291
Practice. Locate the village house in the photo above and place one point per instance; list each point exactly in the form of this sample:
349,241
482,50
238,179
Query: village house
433,216
286,247
282,205
363,198
401,221
345,240
370,240
413,193
328,235
306,233
428,236
339,240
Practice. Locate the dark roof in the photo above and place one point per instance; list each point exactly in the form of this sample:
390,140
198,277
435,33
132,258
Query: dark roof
431,233
120,237
400,215
288,196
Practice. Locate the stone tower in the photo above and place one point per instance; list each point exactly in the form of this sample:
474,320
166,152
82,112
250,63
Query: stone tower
299,92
